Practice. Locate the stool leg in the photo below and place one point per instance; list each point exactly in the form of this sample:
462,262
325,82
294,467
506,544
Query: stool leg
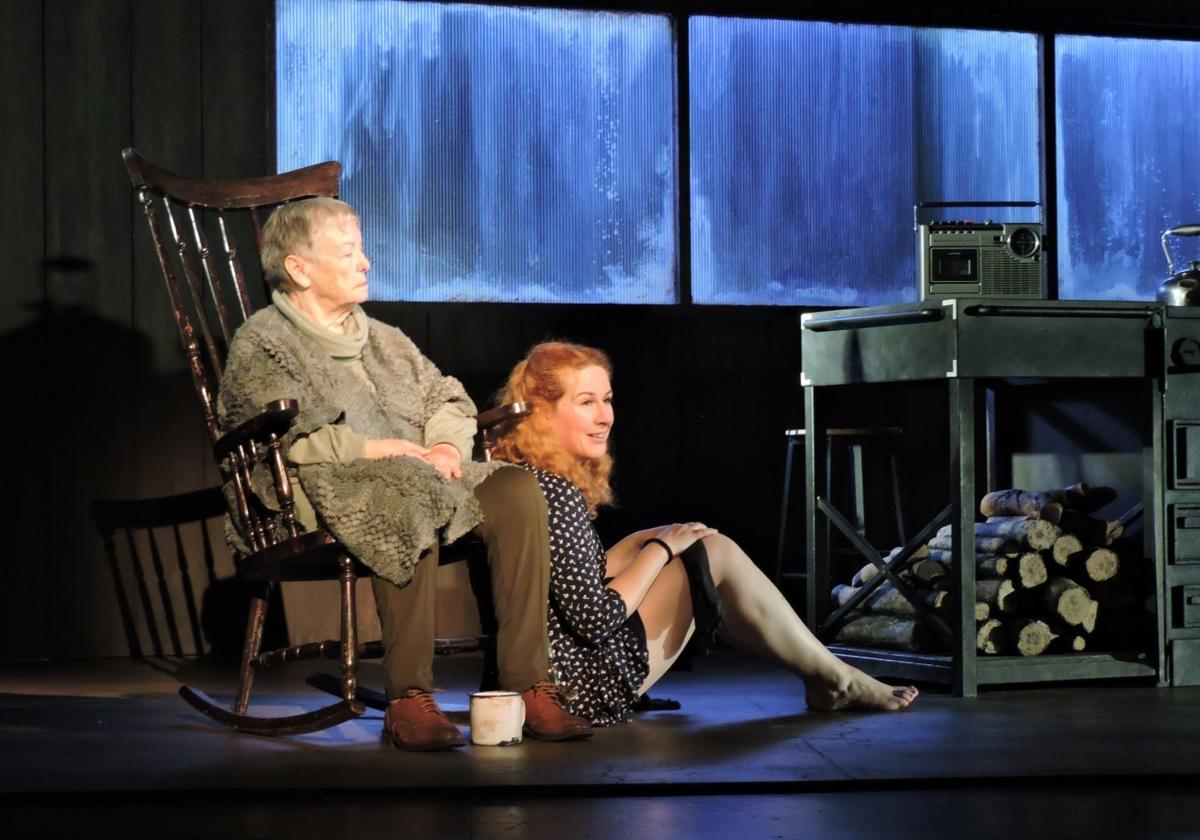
783,509
901,539
860,501
828,526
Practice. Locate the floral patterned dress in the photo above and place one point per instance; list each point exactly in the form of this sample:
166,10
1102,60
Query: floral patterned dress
597,650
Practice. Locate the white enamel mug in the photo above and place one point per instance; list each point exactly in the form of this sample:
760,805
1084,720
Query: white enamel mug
497,718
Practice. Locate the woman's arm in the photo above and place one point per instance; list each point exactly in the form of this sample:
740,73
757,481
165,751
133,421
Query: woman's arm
626,551
635,581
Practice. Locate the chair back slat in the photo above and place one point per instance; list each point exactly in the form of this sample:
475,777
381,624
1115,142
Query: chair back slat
143,594
235,266
201,381
154,548
210,275
183,250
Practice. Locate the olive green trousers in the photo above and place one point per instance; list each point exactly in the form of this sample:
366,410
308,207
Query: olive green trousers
517,536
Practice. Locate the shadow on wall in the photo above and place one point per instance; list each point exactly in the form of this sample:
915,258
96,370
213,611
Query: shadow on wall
87,417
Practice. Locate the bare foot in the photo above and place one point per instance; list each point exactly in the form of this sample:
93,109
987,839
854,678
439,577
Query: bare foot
855,690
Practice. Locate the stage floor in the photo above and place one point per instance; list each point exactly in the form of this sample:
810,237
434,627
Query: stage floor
89,747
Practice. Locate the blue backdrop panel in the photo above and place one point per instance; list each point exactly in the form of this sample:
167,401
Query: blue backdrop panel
811,142
495,154
1128,166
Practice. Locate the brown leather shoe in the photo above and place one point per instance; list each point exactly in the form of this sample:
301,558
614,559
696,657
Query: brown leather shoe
414,722
545,717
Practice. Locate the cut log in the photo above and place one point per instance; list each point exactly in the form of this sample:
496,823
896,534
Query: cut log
1098,565
1113,531
1089,620
997,545
986,565
1029,570
943,555
1021,503
989,638
991,565
1068,639
983,610
1067,600
983,545
870,569
864,574
887,599
919,552
928,570
1065,547
1071,643
1000,594
1035,533
1080,497
886,631
1030,636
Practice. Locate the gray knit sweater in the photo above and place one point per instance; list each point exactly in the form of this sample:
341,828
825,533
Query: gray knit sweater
385,511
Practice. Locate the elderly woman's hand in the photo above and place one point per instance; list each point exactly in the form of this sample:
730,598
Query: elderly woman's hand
391,447
446,459
443,457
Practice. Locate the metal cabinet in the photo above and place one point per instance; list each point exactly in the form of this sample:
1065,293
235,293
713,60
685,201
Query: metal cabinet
967,345
1180,395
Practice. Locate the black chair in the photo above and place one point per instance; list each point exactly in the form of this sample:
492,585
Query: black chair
158,550
196,226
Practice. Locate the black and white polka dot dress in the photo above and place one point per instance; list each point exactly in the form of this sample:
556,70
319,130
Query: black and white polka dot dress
596,649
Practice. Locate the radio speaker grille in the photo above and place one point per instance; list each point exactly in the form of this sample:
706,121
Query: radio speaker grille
1005,275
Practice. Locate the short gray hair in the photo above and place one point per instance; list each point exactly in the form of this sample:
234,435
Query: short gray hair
289,230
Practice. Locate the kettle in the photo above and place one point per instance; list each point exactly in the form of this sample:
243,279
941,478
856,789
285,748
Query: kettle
1182,288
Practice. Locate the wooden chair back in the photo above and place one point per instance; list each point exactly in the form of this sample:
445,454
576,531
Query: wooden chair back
208,235
167,560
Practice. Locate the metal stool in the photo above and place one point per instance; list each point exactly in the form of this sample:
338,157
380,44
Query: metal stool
850,444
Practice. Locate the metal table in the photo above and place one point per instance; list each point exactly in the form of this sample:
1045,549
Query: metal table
967,343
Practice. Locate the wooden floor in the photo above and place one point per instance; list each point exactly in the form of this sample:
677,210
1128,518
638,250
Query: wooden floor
93,748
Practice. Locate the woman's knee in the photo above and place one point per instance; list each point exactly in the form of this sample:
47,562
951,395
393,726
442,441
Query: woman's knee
724,555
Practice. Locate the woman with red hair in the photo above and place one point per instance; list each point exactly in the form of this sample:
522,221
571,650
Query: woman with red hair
620,618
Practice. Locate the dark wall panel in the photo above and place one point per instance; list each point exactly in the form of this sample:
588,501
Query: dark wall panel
23,516
237,53
167,126
95,354
90,353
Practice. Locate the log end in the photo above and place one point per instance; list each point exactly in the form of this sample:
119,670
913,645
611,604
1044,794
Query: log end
1032,637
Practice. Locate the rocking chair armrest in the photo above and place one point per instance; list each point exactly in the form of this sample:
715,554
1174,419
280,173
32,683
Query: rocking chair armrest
508,411
275,419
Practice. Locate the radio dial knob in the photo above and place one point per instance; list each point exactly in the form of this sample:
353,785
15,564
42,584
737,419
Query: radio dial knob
1023,242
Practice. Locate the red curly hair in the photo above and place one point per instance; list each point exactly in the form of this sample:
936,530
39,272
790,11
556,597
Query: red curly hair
539,379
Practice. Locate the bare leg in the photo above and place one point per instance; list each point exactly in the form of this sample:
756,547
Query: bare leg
666,613
758,618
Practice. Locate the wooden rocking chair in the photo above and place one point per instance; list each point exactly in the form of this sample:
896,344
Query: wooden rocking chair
209,290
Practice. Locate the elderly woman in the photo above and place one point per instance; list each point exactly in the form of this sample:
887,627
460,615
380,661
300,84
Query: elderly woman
619,619
381,449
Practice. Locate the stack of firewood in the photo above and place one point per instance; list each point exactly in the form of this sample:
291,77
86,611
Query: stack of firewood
1045,571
